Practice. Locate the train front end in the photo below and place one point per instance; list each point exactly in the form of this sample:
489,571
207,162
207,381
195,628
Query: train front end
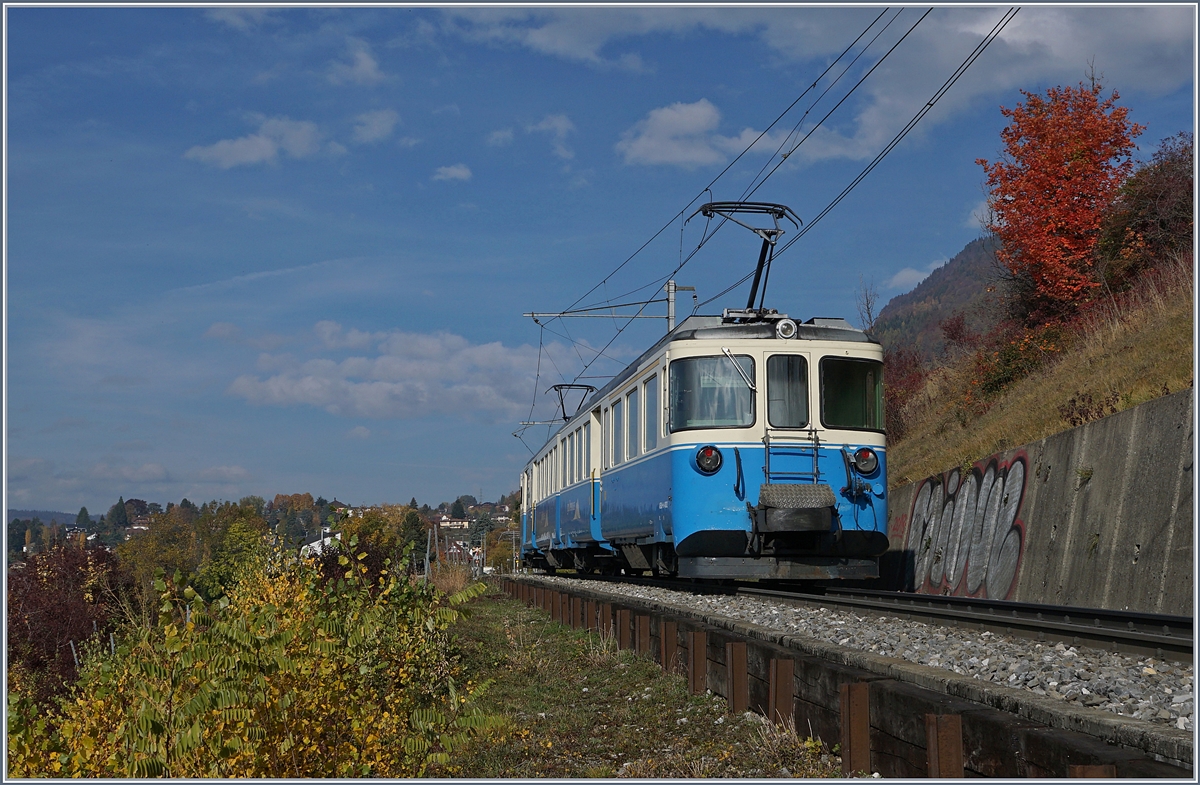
778,453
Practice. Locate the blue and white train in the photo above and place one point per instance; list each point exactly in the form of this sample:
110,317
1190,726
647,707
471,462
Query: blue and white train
738,446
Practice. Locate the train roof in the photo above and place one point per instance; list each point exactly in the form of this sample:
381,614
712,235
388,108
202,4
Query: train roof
699,328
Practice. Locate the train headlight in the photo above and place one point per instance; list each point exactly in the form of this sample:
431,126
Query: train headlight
708,458
785,328
865,460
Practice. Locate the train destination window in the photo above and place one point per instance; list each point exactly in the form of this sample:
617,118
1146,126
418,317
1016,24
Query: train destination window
651,395
631,411
710,392
787,391
852,393
618,433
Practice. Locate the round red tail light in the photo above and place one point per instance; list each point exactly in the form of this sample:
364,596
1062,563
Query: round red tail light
865,460
708,458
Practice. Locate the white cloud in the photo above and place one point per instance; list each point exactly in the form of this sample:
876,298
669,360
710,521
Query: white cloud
224,474
408,141
147,472
375,126
223,331
362,68
500,138
297,138
456,172
907,278
558,125
675,134
243,19
358,432
978,216
333,336
1147,48
408,375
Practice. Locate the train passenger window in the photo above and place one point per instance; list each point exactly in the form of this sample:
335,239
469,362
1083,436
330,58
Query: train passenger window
605,428
787,391
631,409
570,458
587,450
574,439
709,392
651,396
852,393
618,434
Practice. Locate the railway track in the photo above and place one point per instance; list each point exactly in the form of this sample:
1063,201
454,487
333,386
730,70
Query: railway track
1157,635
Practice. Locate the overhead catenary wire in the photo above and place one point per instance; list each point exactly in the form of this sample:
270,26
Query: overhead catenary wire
899,137
753,186
729,166
619,329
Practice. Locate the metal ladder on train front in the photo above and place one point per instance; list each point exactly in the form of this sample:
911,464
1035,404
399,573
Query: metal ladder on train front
802,445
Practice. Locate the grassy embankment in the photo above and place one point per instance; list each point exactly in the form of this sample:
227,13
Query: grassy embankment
579,707
1125,354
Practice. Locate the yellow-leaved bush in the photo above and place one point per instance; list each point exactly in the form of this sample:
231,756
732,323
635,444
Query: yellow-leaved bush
295,673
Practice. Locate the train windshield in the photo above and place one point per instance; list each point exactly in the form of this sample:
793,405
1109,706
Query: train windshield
787,391
710,392
852,393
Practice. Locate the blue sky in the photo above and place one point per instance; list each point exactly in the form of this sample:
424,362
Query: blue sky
259,250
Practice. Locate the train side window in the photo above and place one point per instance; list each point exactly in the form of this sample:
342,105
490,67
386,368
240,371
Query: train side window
618,433
570,458
631,411
787,391
651,395
578,453
587,450
605,440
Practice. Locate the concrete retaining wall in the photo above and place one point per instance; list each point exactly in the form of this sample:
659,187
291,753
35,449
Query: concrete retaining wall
1097,516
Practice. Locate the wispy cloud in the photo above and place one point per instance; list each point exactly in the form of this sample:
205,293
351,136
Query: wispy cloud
360,67
296,138
375,126
146,473
358,432
684,135
558,126
404,376
223,474
455,172
909,277
500,138
244,19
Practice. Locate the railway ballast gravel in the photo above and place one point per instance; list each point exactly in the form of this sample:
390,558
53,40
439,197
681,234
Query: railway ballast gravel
1144,688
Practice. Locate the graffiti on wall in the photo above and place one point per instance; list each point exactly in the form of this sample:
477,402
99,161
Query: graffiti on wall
965,532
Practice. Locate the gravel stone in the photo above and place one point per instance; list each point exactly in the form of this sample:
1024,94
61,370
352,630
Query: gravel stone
1147,688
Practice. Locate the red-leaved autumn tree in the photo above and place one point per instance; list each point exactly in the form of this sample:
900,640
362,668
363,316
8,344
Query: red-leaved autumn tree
1066,154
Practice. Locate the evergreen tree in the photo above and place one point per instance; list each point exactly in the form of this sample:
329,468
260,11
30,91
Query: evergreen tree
83,520
456,510
117,517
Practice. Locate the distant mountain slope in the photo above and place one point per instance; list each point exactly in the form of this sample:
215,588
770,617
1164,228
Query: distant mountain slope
960,284
45,516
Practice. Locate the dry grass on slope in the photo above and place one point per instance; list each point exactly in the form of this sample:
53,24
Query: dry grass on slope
1126,354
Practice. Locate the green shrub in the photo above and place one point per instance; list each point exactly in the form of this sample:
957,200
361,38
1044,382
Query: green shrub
290,675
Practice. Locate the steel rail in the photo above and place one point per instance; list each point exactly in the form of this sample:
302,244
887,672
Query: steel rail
1150,634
